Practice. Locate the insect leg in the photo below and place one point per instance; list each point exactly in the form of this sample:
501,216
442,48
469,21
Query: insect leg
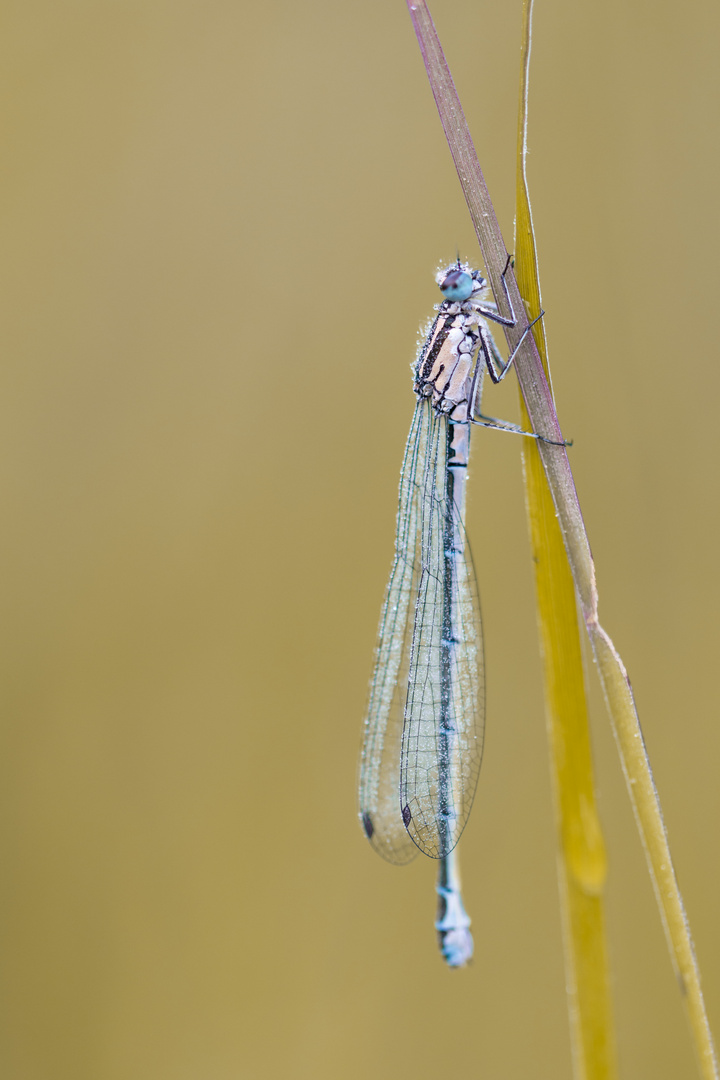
490,353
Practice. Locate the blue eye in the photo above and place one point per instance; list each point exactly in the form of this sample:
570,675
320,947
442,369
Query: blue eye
458,285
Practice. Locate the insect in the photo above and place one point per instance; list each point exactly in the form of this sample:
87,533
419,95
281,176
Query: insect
423,736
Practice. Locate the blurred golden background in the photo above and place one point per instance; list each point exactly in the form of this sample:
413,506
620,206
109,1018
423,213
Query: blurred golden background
220,224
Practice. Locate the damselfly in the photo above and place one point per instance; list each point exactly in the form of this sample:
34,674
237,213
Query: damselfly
424,729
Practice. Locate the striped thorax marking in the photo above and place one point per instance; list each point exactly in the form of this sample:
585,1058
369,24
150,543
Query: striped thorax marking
444,368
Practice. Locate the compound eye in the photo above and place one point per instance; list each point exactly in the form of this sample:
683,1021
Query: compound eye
458,285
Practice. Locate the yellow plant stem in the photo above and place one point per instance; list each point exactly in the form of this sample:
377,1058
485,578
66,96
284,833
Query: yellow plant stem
581,851
581,858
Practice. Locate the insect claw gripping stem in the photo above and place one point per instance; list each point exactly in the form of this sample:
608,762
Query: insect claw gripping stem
514,429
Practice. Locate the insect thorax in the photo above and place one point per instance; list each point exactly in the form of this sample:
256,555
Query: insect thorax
444,368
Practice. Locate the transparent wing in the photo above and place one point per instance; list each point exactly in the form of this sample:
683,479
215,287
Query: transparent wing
444,716
379,795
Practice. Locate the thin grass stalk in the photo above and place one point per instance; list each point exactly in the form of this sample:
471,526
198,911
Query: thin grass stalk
582,863
541,413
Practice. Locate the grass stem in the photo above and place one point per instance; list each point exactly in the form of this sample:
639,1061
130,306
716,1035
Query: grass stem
538,402
581,850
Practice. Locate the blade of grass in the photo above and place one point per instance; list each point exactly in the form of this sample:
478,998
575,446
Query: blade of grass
541,412
581,850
